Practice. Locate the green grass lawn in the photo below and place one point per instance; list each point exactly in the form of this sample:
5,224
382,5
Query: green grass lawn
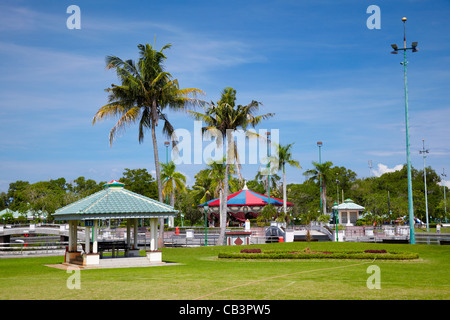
203,276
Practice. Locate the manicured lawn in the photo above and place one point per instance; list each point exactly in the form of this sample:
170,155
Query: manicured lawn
204,276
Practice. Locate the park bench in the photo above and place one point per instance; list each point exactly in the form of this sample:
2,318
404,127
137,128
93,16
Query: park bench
113,246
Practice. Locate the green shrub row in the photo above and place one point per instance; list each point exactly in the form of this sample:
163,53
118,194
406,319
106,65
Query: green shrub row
333,255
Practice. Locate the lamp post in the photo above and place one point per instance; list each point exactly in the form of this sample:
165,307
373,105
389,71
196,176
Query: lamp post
206,208
336,220
445,201
423,151
319,144
268,166
408,157
166,144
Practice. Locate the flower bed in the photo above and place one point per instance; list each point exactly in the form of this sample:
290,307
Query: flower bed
306,254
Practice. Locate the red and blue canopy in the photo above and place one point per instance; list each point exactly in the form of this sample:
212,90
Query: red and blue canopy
247,197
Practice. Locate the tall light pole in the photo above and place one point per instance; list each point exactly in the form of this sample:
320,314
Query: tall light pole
166,144
268,166
206,208
319,144
443,185
408,157
423,151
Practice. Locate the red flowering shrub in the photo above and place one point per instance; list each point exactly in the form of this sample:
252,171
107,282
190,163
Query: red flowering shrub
251,251
375,251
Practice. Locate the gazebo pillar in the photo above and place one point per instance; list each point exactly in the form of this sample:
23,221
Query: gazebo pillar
95,240
135,233
73,235
154,255
87,242
128,233
153,234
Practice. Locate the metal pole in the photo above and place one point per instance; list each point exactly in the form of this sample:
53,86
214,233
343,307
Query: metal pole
445,201
408,157
206,225
319,144
425,181
166,143
268,166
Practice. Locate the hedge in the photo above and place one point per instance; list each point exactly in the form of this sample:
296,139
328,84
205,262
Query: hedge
320,255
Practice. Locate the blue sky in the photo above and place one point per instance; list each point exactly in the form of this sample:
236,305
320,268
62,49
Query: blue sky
315,64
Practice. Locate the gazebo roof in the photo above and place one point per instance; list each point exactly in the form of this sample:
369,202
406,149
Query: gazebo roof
246,197
114,202
349,205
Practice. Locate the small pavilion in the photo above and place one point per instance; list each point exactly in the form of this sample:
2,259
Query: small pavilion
348,212
113,202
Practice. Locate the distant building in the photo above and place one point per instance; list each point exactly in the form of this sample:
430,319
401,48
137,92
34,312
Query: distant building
348,212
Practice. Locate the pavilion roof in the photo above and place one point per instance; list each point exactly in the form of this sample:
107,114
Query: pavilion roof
349,205
115,202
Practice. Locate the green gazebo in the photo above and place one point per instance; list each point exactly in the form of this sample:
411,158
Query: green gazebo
113,202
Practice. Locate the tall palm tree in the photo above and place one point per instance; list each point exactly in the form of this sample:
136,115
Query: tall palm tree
226,117
285,157
144,93
321,173
173,181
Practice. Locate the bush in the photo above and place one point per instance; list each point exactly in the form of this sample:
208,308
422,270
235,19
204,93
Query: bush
375,251
251,251
321,255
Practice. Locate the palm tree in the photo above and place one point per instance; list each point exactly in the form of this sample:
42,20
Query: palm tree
145,91
285,157
262,177
321,172
227,117
173,181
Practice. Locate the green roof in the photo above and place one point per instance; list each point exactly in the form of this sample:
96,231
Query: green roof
115,202
349,205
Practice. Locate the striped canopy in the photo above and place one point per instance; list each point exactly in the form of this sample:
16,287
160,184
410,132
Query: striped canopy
246,197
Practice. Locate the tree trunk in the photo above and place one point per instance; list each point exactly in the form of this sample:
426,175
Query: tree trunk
158,179
223,215
324,191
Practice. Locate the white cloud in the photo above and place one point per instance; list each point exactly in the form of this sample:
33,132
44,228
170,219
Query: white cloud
447,183
382,169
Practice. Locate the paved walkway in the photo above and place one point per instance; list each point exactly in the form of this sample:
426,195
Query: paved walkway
120,262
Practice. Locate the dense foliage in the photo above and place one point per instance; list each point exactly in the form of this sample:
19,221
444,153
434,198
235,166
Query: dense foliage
385,198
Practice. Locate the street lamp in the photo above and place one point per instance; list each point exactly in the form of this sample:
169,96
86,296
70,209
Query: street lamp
319,144
166,144
336,220
445,201
408,157
268,166
423,151
206,208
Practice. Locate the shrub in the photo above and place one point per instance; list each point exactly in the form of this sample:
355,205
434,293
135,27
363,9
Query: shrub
320,255
251,251
375,251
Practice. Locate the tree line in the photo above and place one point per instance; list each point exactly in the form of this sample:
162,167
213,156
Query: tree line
385,198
